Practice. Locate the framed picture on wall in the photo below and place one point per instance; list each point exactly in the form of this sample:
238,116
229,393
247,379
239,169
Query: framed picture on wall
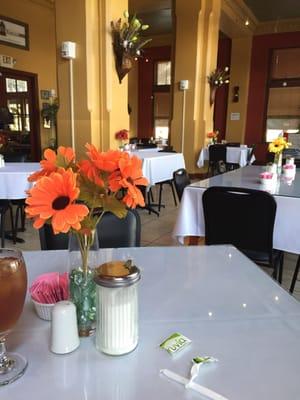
14,33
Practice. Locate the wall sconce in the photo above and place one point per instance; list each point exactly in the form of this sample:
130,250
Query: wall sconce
235,94
127,43
216,79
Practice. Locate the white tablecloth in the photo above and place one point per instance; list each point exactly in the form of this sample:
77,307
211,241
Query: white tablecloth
13,179
158,167
214,295
190,220
234,155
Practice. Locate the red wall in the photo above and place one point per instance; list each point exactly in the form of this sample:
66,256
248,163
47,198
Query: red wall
221,100
262,47
145,87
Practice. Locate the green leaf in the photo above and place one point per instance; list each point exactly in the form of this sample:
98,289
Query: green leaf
91,194
115,206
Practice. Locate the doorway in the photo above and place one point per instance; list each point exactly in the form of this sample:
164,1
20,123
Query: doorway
154,93
19,94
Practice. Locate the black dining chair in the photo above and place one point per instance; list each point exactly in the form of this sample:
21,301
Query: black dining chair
233,144
232,166
19,203
217,159
181,180
169,182
5,207
113,232
244,218
295,276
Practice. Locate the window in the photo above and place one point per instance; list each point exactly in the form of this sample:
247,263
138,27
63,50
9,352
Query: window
163,73
161,98
15,85
283,111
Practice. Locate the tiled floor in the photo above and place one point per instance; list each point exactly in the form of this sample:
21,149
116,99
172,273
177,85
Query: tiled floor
157,231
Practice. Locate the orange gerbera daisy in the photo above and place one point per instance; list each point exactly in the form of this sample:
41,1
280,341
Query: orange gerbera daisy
128,176
53,197
88,169
105,161
52,161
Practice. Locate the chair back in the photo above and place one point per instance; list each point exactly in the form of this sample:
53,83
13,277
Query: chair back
181,180
112,232
241,217
49,241
119,232
261,154
233,144
167,149
146,146
217,152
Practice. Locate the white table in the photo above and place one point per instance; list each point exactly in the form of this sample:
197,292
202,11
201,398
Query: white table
190,220
13,179
159,166
234,155
214,295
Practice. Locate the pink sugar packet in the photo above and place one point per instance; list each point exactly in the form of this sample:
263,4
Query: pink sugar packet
266,175
50,288
289,166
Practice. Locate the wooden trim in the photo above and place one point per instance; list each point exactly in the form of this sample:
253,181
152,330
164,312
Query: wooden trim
35,139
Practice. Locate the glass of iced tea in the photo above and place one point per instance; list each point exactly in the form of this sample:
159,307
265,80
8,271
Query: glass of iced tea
13,286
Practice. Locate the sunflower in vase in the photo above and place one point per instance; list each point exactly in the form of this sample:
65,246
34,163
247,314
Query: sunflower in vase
73,196
277,146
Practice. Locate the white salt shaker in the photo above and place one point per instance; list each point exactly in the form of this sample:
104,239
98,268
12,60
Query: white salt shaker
290,161
64,331
117,307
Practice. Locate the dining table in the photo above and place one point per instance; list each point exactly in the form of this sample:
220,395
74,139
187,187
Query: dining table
14,179
158,166
190,219
215,296
234,155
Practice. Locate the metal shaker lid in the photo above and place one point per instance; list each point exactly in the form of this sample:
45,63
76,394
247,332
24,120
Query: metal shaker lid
117,274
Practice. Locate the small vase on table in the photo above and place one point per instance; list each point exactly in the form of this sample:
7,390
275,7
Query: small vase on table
278,162
83,256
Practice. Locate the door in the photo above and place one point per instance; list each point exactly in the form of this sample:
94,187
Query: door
154,104
19,93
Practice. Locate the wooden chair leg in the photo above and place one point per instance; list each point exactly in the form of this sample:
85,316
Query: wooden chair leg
295,276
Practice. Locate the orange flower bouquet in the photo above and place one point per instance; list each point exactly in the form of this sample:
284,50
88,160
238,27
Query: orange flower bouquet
121,136
212,136
73,196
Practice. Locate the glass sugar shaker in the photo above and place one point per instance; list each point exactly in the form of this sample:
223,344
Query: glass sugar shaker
117,307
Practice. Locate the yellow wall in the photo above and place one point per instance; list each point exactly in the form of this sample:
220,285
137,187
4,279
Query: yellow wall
239,76
41,57
197,30
73,29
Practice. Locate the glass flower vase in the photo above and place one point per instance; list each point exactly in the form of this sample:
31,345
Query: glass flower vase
278,162
83,258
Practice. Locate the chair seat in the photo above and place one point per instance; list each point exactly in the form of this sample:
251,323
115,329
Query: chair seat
261,257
